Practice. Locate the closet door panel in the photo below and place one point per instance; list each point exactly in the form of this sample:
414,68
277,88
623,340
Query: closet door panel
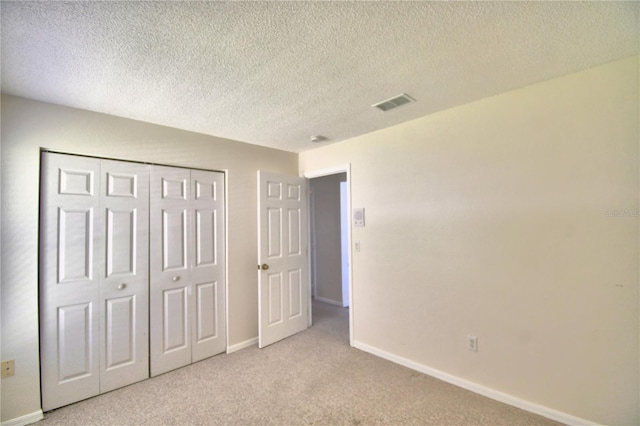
74,341
170,276
132,273
207,276
71,264
124,294
176,323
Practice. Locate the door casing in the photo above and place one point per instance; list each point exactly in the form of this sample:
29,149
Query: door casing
344,168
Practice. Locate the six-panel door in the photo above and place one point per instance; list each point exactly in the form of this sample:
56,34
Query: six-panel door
170,271
207,267
94,276
187,267
283,295
71,266
124,289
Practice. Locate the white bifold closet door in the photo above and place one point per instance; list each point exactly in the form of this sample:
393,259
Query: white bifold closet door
132,276
187,259
93,276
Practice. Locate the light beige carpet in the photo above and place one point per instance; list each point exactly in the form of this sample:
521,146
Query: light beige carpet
313,378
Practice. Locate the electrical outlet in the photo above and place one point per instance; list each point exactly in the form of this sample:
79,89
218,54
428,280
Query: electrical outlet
357,246
8,368
472,343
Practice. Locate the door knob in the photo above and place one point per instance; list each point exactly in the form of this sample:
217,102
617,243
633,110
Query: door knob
122,286
176,278
264,267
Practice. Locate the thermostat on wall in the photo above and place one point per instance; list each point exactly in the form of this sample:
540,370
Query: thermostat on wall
358,216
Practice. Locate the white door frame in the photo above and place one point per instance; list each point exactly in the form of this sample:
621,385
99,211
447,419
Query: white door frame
312,252
345,168
345,218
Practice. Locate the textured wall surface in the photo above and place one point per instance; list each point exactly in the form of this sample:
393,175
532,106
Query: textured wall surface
28,126
514,219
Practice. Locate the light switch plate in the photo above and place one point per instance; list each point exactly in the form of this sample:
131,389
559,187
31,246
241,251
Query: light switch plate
472,343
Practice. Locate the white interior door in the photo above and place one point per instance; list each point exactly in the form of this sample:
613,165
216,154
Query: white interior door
207,265
70,270
187,300
283,277
97,228
170,274
94,276
124,288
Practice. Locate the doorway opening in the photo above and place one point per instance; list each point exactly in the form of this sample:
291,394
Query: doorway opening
330,239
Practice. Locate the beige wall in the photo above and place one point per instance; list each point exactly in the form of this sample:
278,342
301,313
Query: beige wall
495,219
327,236
28,126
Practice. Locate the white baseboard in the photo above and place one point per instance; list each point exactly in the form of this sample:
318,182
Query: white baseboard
242,345
329,301
24,420
541,410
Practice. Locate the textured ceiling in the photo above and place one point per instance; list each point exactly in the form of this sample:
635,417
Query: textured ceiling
275,73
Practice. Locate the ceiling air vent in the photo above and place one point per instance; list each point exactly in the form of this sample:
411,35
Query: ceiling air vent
394,102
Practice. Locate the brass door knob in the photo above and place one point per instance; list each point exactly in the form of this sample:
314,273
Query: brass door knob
264,267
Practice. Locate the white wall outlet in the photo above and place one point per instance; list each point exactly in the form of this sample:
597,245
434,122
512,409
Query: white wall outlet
357,246
472,343
8,368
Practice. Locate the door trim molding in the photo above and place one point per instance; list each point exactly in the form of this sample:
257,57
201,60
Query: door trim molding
343,168
226,253
148,163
